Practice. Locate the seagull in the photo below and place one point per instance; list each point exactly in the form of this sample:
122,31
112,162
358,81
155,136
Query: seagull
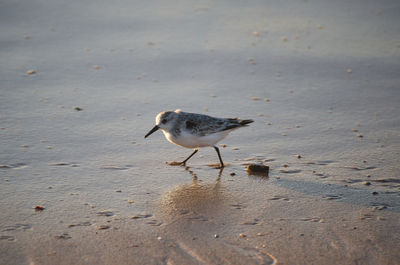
192,130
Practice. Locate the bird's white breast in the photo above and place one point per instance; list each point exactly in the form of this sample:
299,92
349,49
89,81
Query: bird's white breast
189,140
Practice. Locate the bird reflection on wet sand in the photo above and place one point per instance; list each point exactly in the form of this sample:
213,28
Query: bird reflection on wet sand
200,197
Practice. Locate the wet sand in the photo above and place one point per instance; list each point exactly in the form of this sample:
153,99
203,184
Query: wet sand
82,83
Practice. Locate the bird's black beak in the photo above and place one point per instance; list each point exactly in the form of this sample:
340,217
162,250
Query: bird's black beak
155,128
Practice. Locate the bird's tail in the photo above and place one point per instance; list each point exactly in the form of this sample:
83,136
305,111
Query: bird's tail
244,122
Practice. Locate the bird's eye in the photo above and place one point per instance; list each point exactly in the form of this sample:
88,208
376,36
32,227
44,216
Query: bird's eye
164,121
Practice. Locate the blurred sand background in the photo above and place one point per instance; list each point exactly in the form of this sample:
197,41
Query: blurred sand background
81,83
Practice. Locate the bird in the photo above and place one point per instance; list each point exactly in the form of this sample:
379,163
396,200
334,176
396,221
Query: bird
193,130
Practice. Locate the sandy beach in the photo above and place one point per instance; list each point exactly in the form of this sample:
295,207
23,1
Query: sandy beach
82,82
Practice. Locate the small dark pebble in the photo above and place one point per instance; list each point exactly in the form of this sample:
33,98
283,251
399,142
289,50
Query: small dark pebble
78,109
233,174
374,193
257,169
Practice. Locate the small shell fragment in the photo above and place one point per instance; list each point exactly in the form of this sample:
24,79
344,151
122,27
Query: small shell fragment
31,72
252,61
38,208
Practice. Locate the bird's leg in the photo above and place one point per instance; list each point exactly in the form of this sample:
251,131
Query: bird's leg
184,161
219,176
219,156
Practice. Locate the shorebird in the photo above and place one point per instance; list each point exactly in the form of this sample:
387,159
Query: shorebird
192,130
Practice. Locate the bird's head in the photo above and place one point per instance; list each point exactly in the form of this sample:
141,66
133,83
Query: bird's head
164,121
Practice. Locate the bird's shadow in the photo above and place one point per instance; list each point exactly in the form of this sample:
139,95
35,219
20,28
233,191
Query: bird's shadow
191,199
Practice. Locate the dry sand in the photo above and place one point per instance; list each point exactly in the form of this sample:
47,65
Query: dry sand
82,82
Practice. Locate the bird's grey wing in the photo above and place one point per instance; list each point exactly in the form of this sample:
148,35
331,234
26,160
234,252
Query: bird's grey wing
228,124
204,125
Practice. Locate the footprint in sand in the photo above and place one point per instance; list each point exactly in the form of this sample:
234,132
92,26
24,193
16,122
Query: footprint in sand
197,253
332,197
292,171
8,238
17,227
13,166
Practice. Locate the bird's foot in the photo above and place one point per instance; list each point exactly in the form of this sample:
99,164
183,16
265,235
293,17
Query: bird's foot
216,166
174,163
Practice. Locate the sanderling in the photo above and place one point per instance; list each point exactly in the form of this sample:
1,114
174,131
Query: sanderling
192,130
